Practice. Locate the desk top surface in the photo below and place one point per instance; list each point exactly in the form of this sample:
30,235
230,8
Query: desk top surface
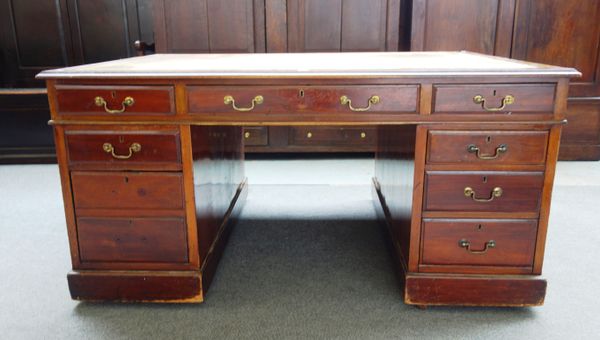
363,64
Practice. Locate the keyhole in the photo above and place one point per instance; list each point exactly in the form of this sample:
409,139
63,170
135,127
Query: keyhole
479,226
121,139
484,179
301,93
494,93
113,94
488,139
126,179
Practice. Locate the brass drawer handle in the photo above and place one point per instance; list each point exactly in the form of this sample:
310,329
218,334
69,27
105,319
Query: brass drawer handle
472,148
135,147
128,101
256,100
496,192
507,100
467,245
246,134
344,100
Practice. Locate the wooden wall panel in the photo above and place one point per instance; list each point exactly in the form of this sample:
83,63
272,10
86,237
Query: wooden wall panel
103,30
565,33
343,25
32,38
210,26
483,26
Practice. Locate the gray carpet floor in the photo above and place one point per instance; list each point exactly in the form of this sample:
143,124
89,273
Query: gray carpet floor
307,260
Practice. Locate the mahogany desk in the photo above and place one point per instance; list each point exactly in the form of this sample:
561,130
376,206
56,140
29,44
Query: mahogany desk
151,161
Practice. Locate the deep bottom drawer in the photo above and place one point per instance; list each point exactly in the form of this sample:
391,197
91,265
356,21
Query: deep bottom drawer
132,239
478,242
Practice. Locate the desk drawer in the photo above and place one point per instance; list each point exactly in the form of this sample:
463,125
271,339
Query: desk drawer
489,147
256,136
494,98
127,190
490,191
128,148
307,135
310,99
115,100
478,242
132,239
362,99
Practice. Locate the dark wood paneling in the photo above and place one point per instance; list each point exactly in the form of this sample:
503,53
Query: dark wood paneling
483,26
34,37
563,33
336,25
210,26
103,30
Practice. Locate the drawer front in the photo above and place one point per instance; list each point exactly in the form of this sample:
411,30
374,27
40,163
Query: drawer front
489,191
489,147
115,100
494,98
362,99
256,136
127,190
478,242
242,99
132,239
285,100
337,136
123,147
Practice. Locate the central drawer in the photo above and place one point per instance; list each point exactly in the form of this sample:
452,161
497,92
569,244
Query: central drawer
309,99
490,191
127,190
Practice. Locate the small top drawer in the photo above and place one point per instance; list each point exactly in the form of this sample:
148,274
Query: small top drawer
494,98
489,147
309,99
115,100
127,149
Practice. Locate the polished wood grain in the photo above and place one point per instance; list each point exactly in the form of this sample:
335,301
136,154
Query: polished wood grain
474,290
420,176
157,148
148,99
527,98
514,242
520,191
522,147
132,240
148,286
127,190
